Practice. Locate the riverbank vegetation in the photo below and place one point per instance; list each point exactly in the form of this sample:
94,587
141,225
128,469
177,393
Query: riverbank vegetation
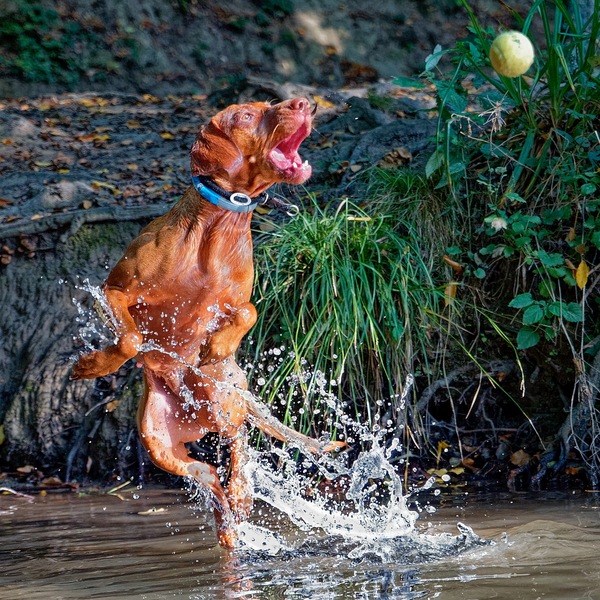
479,278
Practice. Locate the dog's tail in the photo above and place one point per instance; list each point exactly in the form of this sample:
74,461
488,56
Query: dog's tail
259,416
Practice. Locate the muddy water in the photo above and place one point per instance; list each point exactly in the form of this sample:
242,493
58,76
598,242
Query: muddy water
154,544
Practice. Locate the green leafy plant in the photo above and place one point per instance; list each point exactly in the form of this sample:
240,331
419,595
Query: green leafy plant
37,45
530,149
519,157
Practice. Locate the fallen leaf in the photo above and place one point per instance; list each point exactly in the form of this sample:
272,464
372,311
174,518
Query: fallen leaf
581,276
112,405
457,470
86,138
152,511
442,445
323,103
395,158
267,226
26,470
131,124
51,481
167,135
4,202
469,463
437,472
520,458
456,267
450,292
102,184
57,132
87,204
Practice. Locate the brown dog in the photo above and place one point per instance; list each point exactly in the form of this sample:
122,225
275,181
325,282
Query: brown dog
180,298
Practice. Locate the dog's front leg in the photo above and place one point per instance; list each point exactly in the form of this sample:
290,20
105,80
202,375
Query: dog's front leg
103,362
229,333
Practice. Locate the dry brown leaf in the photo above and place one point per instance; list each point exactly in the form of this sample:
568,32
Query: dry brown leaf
57,132
112,405
456,267
324,103
152,511
396,157
450,292
52,481
520,458
26,469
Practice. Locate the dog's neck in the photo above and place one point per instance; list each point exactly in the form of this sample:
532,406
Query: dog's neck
234,201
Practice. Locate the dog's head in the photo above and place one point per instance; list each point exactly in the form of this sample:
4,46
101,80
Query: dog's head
249,147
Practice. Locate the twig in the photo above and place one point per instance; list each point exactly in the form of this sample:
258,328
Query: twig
494,367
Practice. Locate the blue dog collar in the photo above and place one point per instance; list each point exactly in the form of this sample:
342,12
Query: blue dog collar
216,195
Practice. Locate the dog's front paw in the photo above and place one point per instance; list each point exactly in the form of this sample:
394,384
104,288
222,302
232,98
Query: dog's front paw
95,364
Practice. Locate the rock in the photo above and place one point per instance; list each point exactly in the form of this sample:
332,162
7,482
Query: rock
62,194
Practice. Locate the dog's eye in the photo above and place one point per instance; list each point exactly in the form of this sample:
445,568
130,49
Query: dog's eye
245,117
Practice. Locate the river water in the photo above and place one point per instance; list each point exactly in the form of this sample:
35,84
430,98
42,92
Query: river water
152,544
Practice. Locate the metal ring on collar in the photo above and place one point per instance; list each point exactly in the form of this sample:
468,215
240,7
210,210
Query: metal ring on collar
292,210
246,200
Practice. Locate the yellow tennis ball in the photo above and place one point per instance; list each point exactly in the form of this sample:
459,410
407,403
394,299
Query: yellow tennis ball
511,53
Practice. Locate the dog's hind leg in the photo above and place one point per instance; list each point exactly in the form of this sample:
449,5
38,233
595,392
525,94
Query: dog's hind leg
239,489
165,427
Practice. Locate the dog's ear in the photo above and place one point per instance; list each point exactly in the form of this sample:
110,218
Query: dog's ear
213,153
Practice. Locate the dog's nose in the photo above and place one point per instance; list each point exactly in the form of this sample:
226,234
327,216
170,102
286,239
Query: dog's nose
300,104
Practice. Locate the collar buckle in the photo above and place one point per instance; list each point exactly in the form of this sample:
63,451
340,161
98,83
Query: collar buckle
244,200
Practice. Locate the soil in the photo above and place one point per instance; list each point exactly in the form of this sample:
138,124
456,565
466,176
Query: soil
188,46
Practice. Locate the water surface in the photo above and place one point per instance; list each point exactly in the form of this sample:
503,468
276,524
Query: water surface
154,544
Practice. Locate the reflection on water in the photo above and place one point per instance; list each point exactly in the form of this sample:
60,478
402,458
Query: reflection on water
156,544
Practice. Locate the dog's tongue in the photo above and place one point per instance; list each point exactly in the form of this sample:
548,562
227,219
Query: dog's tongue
289,164
285,155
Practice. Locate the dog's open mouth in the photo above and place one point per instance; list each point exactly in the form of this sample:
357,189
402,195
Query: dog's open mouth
285,158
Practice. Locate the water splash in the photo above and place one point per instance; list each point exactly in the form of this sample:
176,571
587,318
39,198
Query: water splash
372,521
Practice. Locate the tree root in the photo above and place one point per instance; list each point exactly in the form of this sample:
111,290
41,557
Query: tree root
76,219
